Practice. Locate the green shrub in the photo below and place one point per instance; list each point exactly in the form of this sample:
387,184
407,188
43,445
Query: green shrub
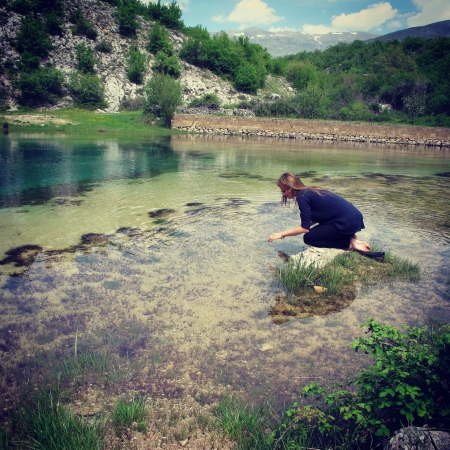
104,46
209,100
29,62
33,38
168,65
137,64
41,86
158,40
87,91
126,19
162,96
54,24
246,79
85,58
83,27
168,14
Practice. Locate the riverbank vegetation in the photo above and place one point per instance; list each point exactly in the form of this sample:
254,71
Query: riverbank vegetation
407,384
380,81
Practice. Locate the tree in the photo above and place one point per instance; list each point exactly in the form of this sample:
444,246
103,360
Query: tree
126,19
87,90
33,38
158,39
162,94
85,58
313,101
137,63
166,64
415,102
83,27
247,79
40,86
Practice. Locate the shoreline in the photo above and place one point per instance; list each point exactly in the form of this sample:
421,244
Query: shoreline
312,130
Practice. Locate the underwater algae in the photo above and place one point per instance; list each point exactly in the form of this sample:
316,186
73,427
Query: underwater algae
185,323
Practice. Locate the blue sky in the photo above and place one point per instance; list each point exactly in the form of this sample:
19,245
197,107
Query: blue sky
314,16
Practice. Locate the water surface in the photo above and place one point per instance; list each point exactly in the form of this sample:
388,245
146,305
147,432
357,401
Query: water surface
174,283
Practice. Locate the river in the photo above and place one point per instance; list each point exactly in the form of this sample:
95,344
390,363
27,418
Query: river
154,252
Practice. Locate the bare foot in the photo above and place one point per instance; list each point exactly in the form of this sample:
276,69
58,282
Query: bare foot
356,244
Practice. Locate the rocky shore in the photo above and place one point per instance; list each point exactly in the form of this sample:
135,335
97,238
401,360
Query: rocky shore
237,124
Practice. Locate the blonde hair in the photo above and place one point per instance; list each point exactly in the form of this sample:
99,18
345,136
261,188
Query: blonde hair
294,184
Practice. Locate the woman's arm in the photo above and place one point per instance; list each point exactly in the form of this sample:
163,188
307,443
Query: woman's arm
293,232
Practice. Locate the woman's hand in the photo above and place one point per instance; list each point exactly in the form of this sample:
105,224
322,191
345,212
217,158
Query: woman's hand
275,236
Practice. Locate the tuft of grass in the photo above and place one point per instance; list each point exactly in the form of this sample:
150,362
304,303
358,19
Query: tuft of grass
337,281
130,414
242,423
45,424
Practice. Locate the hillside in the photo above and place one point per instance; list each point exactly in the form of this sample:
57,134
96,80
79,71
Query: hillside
431,31
110,67
291,42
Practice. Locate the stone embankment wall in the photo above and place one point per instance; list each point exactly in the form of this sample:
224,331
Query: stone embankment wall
312,129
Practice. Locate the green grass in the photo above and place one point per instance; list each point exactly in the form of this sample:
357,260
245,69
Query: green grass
45,424
344,270
314,290
87,124
130,413
242,423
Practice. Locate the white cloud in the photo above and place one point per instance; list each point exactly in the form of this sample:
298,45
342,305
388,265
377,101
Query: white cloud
250,12
430,11
395,24
364,20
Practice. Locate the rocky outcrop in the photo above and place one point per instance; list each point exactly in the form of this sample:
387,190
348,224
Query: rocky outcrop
111,67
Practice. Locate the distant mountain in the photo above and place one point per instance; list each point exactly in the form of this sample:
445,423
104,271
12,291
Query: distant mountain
433,30
291,42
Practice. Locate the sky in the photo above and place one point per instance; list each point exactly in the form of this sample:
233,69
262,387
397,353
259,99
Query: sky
313,16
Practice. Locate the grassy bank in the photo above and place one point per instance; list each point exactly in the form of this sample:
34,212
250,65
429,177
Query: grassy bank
81,123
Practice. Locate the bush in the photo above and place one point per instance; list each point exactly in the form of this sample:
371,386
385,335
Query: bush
41,86
247,79
87,91
137,64
158,40
126,19
104,46
407,385
85,58
168,65
29,62
82,26
168,14
54,24
162,96
208,100
33,38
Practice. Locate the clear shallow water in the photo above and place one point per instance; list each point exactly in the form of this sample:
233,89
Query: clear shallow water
191,291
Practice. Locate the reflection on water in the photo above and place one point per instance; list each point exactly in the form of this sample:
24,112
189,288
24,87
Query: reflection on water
170,279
